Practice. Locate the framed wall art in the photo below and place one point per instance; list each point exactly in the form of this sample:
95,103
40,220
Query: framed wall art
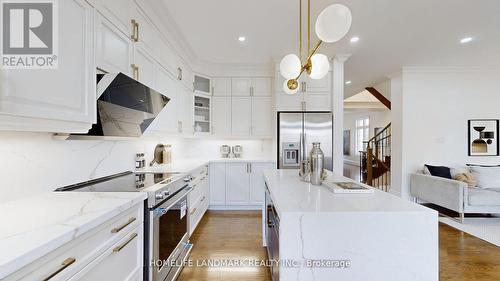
483,137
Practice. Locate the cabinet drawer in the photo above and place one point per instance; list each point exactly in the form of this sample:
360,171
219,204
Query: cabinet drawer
195,194
121,262
196,212
75,255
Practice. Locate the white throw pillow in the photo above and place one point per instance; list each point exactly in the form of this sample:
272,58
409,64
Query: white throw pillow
487,177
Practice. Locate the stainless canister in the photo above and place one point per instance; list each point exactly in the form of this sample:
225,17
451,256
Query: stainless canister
317,158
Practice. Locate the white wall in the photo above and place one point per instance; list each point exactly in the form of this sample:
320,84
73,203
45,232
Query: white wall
378,119
436,104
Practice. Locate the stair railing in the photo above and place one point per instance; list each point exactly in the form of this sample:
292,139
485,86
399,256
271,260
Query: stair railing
375,161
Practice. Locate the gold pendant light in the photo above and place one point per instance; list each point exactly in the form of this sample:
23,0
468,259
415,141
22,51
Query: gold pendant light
332,24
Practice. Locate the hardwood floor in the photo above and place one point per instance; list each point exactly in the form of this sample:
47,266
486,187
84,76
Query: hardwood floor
233,235
464,257
227,236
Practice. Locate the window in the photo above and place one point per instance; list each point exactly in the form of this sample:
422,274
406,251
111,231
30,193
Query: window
362,133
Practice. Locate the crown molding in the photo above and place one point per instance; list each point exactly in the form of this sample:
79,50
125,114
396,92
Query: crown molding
450,69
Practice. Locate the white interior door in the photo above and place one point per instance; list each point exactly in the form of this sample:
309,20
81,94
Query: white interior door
241,116
221,116
237,183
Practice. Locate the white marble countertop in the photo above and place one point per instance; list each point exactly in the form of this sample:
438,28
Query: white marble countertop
291,195
33,227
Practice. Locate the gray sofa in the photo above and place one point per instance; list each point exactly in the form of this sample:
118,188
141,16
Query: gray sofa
455,195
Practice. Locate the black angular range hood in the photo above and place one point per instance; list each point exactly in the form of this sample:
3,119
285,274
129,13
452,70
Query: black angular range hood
125,107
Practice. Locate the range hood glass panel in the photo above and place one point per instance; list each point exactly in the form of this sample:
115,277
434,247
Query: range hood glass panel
126,108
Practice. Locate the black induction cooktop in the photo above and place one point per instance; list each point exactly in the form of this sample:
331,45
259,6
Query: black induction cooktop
122,182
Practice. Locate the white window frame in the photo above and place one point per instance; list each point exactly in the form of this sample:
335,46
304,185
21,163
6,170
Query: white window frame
362,129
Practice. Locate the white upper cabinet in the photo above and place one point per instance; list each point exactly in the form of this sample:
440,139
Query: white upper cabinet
114,48
144,67
261,117
221,86
318,85
237,183
57,100
142,31
202,84
241,87
118,11
261,87
221,116
255,86
167,120
185,110
166,55
241,116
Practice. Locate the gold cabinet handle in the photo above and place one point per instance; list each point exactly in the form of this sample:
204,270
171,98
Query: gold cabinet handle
118,229
119,248
67,262
135,31
135,71
192,211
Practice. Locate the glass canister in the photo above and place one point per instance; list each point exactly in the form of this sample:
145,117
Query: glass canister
317,158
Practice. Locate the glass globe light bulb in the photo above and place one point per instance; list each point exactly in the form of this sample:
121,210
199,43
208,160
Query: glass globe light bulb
290,66
333,23
320,66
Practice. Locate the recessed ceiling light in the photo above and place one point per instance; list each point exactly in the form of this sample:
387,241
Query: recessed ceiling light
348,82
466,40
242,38
354,39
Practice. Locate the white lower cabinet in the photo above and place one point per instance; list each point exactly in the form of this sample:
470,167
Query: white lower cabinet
110,251
257,182
237,185
217,172
122,262
198,198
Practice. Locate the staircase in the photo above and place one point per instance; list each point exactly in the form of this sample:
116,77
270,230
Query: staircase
375,160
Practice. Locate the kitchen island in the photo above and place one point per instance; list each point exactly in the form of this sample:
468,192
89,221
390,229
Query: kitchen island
321,235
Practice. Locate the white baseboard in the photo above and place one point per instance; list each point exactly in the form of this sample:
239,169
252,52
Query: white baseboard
235,208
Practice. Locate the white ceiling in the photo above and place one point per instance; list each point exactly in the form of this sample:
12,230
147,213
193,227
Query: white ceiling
394,33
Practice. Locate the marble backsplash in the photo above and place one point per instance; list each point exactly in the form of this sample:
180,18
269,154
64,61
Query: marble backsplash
33,163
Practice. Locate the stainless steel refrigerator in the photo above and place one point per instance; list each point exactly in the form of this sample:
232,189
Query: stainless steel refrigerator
296,133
